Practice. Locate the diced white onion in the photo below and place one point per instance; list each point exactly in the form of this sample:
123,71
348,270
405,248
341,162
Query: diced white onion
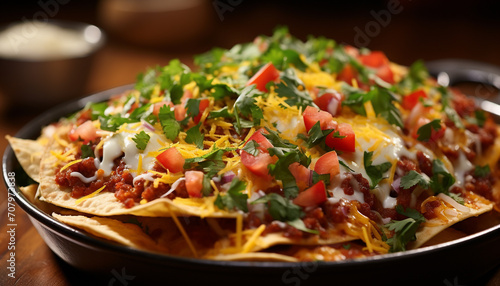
453,203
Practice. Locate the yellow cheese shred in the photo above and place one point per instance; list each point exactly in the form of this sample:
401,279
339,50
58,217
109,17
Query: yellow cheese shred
70,163
251,241
183,232
89,195
239,228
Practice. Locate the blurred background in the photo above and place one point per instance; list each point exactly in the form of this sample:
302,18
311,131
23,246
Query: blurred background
151,32
142,34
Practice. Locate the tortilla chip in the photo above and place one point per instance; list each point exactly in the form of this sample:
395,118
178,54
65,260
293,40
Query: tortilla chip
431,228
29,154
256,256
105,203
128,234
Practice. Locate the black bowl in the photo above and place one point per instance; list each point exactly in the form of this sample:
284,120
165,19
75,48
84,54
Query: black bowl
459,261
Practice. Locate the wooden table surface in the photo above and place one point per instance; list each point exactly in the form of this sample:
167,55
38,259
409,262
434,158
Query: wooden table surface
406,39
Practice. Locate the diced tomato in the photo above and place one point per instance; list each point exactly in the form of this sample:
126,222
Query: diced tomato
258,136
378,60
374,59
266,74
203,105
347,143
347,74
158,105
180,109
313,196
330,101
258,164
435,134
385,73
194,183
328,164
86,132
311,115
301,174
410,100
172,160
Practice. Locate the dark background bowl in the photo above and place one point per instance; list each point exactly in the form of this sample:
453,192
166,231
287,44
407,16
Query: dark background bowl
44,82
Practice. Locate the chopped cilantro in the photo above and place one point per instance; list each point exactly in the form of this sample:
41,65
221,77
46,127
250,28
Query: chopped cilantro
246,108
87,151
316,136
287,154
221,113
415,78
343,164
280,208
320,177
441,180
375,172
300,225
234,198
482,171
293,89
425,131
141,140
194,135
113,122
413,178
251,147
479,118
404,230
382,101
170,126
457,197
210,163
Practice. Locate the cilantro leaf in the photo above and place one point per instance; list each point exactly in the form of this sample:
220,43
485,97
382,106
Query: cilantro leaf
221,113
170,126
343,164
457,198
194,135
141,140
210,163
448,110
192,107
234,198
413,178
415,78
280,208
404,230
425,131
287,154
245,108
482,171
251,147
87,151
113,122
375,172
293,89
442,180
316,136
382,102
300,225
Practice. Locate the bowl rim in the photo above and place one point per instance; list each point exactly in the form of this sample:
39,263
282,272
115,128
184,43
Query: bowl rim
30,130
77,26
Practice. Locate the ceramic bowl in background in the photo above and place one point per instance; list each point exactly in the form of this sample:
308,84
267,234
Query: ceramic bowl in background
46,63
